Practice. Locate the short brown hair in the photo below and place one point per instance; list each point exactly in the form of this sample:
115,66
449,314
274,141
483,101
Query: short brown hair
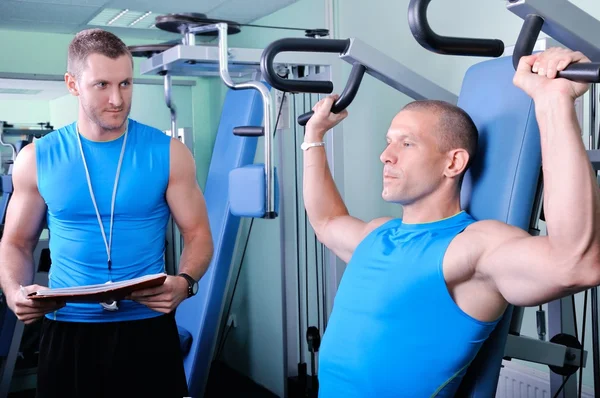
92,41
456,129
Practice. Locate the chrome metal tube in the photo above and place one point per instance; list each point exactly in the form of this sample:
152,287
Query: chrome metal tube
267,103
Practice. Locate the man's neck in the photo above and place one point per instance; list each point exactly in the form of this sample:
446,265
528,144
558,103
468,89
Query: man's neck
431,209
93,132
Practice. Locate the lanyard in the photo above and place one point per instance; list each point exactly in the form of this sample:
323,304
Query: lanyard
107,243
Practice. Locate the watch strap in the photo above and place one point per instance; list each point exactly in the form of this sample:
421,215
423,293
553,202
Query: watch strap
191,281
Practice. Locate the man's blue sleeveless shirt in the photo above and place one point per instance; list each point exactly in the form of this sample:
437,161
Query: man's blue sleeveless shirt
141,213
395,331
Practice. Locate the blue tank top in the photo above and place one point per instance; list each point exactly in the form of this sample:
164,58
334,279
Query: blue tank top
141,213
395,331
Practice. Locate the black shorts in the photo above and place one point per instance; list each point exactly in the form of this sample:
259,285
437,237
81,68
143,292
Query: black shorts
114,359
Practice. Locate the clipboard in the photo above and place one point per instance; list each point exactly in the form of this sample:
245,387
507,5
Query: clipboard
104,292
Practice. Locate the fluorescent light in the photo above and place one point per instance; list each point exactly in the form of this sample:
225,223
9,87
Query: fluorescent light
123,18
140,18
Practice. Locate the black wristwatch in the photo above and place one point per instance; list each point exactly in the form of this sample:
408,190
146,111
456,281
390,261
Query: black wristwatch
192,284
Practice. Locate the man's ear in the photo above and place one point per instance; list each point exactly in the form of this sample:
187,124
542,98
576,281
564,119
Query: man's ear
71,83
457,162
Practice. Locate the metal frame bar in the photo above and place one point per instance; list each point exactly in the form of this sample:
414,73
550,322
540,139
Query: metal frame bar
563,21
394,74
533,350
203,60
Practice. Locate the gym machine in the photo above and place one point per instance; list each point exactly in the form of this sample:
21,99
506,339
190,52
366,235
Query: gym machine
563,353
239,70
317,60
18,343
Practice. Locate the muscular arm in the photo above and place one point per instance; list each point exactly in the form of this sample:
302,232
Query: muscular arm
23,224
22,228
188,208
326,211
533,270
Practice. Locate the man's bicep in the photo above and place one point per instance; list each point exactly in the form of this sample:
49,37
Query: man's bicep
184,196
525,269
343,234
26,208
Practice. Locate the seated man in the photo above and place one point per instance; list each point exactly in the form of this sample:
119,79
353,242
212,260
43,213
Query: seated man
421,294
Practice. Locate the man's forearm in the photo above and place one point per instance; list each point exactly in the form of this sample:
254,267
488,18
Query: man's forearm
571,202
16,267
196,256
321,197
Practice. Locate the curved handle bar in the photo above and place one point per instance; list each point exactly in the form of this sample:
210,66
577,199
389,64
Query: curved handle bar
347,96
302,45
588,72
419,26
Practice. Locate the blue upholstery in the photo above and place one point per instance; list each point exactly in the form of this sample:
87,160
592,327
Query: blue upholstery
185,340
198,316
247,191
501,184
8,320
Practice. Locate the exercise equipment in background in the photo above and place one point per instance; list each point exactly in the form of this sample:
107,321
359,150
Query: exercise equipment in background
19,343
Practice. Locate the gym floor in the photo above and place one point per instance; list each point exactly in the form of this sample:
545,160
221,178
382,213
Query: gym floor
223,381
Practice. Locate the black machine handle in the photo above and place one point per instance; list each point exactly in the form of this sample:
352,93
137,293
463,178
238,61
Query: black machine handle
299,45
311,86
419,26
588,72
347,96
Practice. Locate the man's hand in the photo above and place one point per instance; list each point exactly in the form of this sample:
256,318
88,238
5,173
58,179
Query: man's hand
164,298
28,310
323,119
536,74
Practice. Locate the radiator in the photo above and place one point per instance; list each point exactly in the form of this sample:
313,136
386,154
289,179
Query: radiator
519,381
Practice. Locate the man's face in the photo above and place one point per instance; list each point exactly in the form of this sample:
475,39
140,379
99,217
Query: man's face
105,87
413,164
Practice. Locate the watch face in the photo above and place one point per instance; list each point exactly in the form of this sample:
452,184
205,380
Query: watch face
195,288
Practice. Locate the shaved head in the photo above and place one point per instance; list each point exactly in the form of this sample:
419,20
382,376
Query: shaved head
454,129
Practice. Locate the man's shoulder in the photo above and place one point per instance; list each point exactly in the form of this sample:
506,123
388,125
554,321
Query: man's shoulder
137,126
493,226
51,139
61,131
489,234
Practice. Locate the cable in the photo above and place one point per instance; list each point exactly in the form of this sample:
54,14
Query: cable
575,317
585,301
324,289
237,278
595,341
300,357
306,243
221,344
282,27
317,276
562,385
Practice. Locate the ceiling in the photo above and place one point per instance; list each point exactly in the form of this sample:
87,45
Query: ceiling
17,89
71,16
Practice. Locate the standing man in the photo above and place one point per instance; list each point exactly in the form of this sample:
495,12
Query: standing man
106,185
